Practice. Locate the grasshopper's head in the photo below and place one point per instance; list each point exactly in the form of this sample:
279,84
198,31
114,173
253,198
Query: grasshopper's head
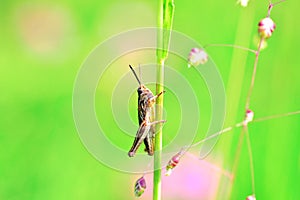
143,89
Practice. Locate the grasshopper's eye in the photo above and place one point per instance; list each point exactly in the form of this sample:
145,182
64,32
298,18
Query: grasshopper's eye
139,90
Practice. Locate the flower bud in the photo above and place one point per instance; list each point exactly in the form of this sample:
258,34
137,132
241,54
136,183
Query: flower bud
251,197
243,3
266,27
248,117
197,56
140,186
172,163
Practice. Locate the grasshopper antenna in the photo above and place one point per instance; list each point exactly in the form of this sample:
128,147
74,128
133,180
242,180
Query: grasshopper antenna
137,78
140,73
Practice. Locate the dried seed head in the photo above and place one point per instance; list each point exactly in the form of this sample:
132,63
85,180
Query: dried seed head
266,27
197,56
172,163
251,197
140,186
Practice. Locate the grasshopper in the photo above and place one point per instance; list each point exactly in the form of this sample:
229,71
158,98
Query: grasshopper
145,132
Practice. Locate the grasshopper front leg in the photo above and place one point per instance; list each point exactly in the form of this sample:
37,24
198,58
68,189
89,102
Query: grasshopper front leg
153,99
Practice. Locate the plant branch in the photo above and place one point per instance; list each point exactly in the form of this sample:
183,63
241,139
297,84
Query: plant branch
230,45
225,130
250,159
254,73
271,5
276,116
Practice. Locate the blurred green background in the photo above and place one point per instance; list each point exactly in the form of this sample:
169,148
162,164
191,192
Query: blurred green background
43,44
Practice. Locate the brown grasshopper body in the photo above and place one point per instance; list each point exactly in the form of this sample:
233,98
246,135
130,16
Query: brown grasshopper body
145,133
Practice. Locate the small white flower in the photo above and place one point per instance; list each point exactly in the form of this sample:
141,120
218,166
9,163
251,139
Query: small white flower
266,27
243,3
197,56
249,117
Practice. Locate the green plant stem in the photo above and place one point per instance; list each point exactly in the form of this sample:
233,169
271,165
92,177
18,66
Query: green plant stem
165,20
158,136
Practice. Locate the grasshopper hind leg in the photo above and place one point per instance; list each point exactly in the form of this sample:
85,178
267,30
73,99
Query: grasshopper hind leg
143,134
149,144
149,141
